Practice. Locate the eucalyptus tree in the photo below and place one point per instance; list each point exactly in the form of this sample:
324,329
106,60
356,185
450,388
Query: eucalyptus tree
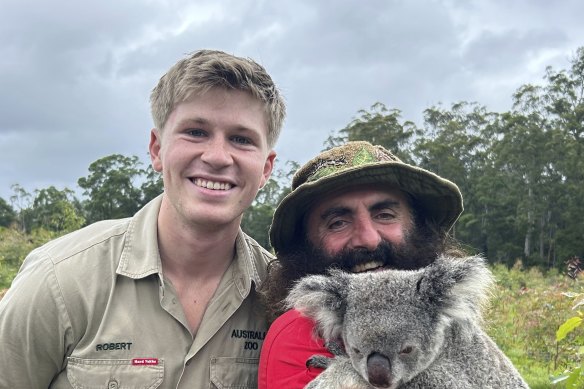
564,101
524,164
538,148
257,218
7,214
453,146
21,201
56,210
112,188
381,126
152,185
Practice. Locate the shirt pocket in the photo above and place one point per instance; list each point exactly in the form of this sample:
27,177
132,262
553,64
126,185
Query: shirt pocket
234,373
113,374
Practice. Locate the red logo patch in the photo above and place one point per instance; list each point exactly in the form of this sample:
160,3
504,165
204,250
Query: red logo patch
144,361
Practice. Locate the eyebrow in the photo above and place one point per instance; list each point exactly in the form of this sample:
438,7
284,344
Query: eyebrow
334,211
393,204
192,121
341,211
204,122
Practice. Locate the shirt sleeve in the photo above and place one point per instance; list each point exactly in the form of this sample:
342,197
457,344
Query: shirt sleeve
32,330
289,343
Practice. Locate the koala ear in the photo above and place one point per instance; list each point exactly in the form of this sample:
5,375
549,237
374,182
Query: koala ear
459,286
323,299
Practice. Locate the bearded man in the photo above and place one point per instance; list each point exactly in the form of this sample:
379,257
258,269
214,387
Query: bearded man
355,207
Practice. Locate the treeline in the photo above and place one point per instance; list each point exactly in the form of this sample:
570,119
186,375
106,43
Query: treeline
521,173
116,186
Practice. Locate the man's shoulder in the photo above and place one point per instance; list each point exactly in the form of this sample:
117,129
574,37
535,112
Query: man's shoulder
100,238
256,250
292,321
255,257
91,237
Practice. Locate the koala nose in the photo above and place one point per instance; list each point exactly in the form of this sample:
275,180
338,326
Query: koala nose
379,370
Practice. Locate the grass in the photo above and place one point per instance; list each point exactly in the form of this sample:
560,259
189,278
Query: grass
527,308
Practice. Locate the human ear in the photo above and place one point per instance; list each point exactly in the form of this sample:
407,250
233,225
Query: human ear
154,148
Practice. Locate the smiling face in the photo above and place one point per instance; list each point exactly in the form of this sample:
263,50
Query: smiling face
359,219
214,157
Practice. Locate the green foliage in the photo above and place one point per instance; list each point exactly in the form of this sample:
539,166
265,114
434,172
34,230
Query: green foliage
152,186
21,200
14,247
381,126
569,325
570,339
521,172
7,214
56,210
526,308
453,146
110,188
256,223
35,219
257,219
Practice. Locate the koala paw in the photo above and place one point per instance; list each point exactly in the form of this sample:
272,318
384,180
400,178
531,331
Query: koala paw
319,361
335,347
339,374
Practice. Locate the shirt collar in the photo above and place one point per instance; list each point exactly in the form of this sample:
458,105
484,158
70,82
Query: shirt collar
141,258
247,264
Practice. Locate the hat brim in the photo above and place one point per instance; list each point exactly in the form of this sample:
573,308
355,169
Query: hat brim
440,199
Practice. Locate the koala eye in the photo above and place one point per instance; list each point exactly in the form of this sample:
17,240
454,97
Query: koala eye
406,350
356,350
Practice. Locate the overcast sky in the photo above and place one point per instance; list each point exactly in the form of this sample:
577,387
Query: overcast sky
75,76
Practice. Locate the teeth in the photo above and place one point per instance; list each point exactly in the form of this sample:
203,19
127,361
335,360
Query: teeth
366,266
212,185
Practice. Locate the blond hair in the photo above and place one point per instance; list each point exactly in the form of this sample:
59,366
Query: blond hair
206,69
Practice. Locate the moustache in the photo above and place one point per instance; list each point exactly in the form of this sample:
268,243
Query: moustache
385,256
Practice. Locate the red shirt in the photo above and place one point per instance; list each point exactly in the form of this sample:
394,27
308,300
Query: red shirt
290,341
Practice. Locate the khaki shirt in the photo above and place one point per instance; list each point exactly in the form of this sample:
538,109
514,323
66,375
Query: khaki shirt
93,310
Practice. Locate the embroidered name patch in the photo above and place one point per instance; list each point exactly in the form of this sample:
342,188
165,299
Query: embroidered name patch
114,346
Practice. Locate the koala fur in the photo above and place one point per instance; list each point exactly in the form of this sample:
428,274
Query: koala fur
407,329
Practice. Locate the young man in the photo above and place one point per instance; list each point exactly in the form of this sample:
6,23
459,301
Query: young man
167,298
355,207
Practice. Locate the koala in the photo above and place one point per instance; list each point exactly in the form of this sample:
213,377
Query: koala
406,328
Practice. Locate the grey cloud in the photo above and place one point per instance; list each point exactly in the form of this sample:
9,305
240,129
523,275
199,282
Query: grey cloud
76,76
507,51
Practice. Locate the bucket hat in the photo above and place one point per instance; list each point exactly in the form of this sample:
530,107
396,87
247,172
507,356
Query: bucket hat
356,164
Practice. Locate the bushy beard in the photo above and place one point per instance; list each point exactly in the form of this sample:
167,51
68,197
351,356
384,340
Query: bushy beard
421,247
418,250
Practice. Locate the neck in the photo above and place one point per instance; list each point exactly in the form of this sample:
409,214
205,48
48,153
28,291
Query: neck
194,251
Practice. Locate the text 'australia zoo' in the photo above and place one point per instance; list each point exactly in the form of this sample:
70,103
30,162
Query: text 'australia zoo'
249,334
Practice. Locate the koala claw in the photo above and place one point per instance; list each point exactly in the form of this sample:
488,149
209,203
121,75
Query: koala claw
319,361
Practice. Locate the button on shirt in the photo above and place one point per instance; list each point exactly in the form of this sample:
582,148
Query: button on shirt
92,309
